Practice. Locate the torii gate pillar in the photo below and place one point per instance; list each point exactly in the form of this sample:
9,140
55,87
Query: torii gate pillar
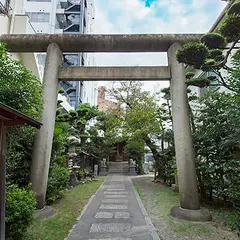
189,198
43,141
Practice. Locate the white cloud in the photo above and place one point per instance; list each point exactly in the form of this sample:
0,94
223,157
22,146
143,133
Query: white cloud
164,16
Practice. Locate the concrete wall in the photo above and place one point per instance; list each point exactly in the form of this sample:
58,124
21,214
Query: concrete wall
90,92
45,7
4,24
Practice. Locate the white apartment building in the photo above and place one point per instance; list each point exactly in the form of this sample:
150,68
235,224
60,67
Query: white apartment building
66,17
13,20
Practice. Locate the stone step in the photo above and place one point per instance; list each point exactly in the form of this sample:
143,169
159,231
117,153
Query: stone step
118,167
118,170
116,163
114,167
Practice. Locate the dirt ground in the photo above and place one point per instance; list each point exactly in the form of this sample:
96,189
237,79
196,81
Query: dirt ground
158,200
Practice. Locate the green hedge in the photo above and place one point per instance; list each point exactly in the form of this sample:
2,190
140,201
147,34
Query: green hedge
57,184
20,206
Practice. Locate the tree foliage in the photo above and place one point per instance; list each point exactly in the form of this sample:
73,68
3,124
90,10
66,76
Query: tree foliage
78,126
135,150
19,89
140,109
209,55
104,135
139,117
217,144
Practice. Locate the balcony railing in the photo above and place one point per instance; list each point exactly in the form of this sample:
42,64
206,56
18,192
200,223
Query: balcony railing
5,8
68,27
70,5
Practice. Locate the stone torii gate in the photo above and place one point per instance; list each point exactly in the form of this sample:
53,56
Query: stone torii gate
55,45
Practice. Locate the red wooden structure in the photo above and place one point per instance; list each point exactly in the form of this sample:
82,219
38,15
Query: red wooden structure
9,117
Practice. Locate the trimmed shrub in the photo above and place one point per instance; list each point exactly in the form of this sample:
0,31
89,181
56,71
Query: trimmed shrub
58,112
212,78
61,91
189,75
20,206
198,82
57,184
73,113
193,54
213,40
210,62
209,65
59,102
216,54
81,122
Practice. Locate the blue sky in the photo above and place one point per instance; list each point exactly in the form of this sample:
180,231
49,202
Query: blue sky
148,3
151,16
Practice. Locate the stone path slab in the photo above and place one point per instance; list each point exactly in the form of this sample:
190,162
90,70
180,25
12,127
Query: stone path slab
115,212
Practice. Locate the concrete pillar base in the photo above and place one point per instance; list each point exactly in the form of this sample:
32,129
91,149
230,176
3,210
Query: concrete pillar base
132,171
103,171
45,212
191,215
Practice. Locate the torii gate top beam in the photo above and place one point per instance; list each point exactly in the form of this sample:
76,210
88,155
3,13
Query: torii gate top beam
95,43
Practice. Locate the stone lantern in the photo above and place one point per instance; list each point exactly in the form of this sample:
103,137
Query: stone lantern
72,166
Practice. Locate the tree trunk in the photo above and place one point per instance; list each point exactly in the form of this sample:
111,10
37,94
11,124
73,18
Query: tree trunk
154,151
152,147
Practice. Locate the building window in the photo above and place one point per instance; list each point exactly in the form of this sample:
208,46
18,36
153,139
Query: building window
38,17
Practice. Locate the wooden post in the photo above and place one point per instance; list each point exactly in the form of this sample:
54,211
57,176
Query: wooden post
2,178
9,117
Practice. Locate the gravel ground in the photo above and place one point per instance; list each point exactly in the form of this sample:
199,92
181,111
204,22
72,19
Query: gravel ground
158,200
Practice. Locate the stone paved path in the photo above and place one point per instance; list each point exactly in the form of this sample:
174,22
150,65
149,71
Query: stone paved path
114,213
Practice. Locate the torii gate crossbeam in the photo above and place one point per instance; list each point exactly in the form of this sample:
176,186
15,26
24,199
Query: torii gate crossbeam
114,73
55,44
